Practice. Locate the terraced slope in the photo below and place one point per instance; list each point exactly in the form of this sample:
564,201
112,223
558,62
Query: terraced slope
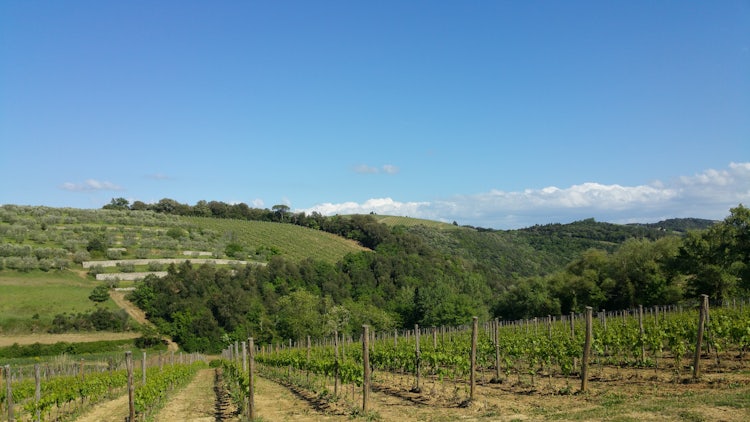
290,241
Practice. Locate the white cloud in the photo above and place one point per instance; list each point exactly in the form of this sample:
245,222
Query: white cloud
89,185
390,169
158,176
377,205
708,194
366,169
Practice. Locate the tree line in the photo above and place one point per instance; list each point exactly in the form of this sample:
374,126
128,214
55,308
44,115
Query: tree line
417,275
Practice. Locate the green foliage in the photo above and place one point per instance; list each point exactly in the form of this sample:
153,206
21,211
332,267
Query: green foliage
100,293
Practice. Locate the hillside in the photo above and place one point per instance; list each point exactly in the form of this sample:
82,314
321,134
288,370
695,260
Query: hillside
46,238
309,272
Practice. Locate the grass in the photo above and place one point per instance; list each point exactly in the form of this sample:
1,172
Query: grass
630,403
34,298
392,220
292,242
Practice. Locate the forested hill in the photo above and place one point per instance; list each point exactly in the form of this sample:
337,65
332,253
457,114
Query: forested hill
386,272
540,249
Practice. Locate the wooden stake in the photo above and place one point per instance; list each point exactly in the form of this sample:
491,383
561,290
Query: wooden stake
586,350
473,375
366,367
131,386
699,341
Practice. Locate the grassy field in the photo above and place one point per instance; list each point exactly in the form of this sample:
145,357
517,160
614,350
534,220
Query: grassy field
290,241
391,220
34,298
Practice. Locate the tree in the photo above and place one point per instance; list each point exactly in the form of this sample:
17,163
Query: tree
99,294
715,260
117,204
280,210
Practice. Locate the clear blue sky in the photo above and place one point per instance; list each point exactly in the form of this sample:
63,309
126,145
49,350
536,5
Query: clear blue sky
493,113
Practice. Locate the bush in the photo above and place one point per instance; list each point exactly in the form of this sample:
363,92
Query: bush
99,294
126,267
96,269
81,256
155,266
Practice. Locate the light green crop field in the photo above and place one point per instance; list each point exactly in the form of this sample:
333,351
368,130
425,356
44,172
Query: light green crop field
292,242
36,297
392,220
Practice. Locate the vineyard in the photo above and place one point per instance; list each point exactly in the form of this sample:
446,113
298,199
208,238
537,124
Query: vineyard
55,392
445,367
480,372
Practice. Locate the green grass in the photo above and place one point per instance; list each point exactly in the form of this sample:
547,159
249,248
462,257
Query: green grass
292,242
392,220
36,297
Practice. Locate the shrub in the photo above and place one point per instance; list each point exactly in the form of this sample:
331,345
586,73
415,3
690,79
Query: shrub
81,256
155,266
126,267
96,269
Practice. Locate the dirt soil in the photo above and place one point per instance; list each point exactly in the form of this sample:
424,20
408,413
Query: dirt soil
45,338
137,314
110,411
195,402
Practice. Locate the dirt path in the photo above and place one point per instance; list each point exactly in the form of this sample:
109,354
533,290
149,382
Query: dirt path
196,402
274,402
137,314
45,338
110,411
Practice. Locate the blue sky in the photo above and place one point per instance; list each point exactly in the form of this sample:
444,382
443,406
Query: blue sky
499,114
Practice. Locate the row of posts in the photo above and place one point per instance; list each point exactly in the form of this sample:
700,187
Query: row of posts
248,362
38,382
588,340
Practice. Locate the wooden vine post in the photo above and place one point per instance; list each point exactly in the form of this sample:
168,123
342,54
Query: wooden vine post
143,369
9,393
473,375
642,334
251,379
131,386
417,361
699,341
586,350
497,349
572,324
244,356
336,363
37,391
366,367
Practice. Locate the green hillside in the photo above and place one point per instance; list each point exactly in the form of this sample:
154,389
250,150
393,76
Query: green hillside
392,220
59,238
287,240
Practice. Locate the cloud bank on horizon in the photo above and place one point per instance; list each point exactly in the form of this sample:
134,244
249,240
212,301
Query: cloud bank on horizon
709,194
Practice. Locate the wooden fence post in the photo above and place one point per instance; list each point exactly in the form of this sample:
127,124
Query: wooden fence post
366,367
586,350
336,363
417,361
642,334
37,390
699,341
497,350
131,386
9,392
143,369
251,379
473,375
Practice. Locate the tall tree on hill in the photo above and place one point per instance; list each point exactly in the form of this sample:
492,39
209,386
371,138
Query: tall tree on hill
280,210
716,261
